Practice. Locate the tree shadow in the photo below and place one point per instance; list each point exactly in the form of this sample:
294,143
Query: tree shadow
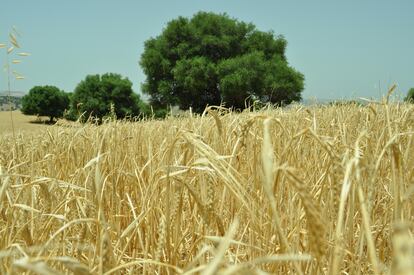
43,122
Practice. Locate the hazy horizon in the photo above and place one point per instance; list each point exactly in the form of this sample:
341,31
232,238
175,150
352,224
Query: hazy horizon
345,50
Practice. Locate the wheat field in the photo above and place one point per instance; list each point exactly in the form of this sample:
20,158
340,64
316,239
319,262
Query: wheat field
303,190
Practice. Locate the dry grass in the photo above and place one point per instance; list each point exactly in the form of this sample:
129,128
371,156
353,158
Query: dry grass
21,122
306,190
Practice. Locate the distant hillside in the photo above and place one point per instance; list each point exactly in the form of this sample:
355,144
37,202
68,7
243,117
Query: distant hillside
12,93
315,101
15,100
325,101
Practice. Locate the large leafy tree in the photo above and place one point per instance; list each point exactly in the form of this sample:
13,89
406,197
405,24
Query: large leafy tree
212,58
45,101
94,96
410,95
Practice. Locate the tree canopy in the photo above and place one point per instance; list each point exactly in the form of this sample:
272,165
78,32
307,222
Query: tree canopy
212,58
45,101
410,95
94,96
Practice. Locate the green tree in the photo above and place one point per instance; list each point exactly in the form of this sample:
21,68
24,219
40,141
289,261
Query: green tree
410,95
45,101
212,58
95,95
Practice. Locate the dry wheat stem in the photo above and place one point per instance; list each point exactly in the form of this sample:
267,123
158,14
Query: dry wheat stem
315,190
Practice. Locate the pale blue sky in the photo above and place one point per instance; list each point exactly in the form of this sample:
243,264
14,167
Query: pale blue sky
344,48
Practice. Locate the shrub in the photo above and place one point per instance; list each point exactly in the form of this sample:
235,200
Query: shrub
95,95
410,96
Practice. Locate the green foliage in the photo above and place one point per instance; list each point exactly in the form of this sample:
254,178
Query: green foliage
198,80
70,114
254,76
148,112
212,58
144,108
160,113
45,101
95,95
410,96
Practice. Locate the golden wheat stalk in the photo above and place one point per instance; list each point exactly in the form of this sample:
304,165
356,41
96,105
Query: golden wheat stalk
312,192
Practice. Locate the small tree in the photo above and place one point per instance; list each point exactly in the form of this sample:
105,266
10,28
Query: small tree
95,95
45,101
410,95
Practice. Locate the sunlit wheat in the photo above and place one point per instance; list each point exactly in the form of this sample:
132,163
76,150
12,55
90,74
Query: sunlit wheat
304,189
